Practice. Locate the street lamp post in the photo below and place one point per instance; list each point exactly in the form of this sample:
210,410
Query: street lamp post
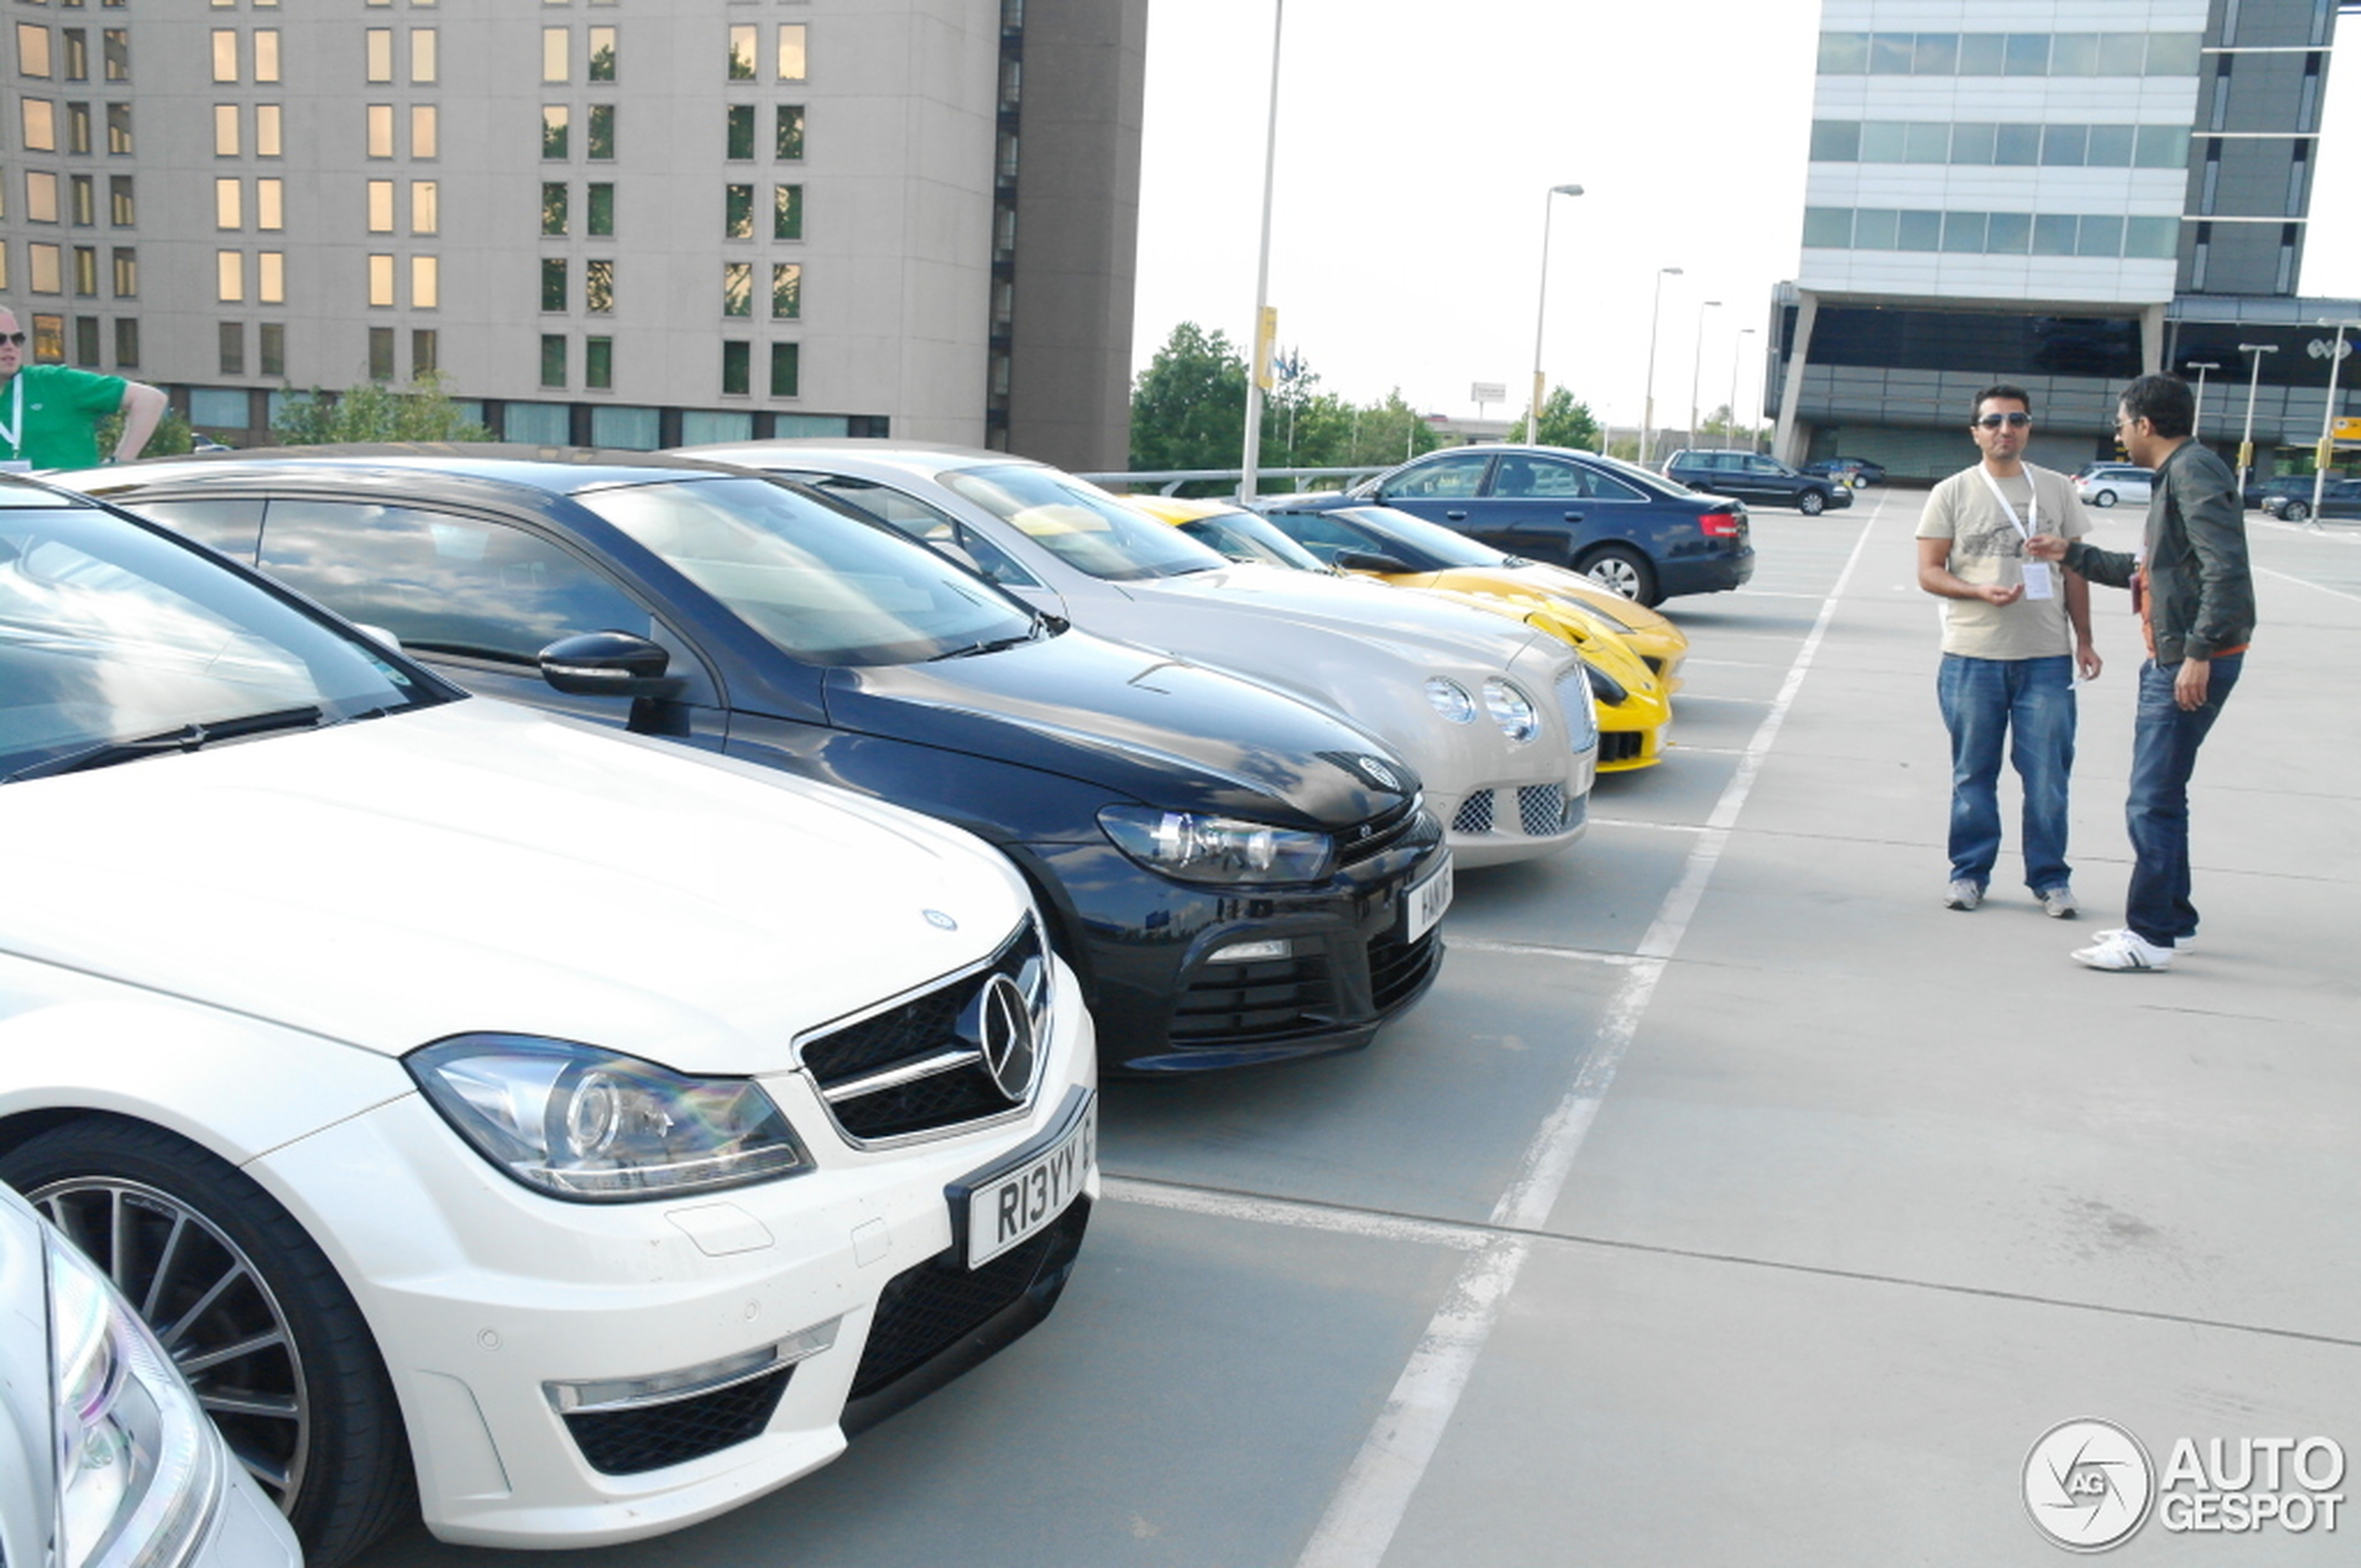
2327,426
1541,310
2196,415
1648,397
1696,363
1737,346
1248,477
2254,384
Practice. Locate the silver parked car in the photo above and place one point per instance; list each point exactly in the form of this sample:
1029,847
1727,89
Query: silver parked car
2103,484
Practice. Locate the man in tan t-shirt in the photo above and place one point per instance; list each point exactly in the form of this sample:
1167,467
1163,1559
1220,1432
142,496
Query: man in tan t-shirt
2014,631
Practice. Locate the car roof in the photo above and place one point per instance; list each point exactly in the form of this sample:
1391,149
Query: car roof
853,454
452,466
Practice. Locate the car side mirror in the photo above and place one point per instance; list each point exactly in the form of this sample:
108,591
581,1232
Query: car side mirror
1369,560
378,635
607,663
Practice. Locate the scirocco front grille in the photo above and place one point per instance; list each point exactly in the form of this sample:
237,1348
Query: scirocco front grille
907,1071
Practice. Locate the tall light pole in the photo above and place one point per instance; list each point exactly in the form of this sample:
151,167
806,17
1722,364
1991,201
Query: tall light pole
1258,364
2328,425
1696,363
1541,310
1648,398
1737,346
2254,384
2196,415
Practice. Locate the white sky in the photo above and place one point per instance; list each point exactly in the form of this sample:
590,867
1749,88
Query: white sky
1416,143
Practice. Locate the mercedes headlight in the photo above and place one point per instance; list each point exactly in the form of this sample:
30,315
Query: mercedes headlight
139,1466
1191,847
1511,710
1451,700
594,1126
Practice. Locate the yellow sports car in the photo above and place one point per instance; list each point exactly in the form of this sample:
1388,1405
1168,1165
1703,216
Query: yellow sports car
1633,687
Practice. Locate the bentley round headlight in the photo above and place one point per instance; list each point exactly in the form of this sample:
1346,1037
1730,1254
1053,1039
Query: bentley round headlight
1511,710
1451,700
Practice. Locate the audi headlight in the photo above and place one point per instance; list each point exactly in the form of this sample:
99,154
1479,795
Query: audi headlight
1511,710
139,1466
1451,700
1191,847
594,1126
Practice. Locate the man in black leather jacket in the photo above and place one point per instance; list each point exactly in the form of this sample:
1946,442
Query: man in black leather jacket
2195,593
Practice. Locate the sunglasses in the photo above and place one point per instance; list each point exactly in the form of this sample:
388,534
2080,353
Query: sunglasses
16,337
2016,421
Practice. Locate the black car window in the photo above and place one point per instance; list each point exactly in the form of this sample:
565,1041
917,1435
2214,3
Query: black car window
1600,485
441,582
1444,479
1244,537
1763,465
1326,534
1540,479
911,516
232,527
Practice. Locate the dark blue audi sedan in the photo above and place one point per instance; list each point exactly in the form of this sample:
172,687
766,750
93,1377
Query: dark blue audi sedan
1639,534
1235,876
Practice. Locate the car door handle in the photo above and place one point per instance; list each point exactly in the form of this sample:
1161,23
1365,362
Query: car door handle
1456,517
1573,516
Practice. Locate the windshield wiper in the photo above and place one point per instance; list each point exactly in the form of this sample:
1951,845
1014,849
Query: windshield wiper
1033,630
188,737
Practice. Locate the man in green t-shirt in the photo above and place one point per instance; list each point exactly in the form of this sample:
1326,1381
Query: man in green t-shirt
50,413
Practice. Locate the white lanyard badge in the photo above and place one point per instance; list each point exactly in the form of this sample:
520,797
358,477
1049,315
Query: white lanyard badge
15,422
2037,573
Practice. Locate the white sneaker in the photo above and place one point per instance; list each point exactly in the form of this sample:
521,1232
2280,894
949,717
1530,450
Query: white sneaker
2125,951
2185,945
2058,903
1962,894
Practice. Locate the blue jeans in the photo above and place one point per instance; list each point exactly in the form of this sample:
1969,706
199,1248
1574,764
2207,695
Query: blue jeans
2026,704
2164,753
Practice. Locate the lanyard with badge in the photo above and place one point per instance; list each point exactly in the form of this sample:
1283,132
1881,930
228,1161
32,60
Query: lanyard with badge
2037,573
12,427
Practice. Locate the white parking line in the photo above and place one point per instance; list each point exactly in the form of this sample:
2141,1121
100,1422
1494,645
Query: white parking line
1368,1508
2308,583
1307,1217
1537,950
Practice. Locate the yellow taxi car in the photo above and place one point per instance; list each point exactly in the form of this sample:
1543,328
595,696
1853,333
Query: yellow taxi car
1633,688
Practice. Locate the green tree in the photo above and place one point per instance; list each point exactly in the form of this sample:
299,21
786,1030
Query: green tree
171,438
1188,406
1563,423
373,412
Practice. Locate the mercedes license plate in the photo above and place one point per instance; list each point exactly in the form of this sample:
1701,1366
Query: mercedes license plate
1006,1210
1426,903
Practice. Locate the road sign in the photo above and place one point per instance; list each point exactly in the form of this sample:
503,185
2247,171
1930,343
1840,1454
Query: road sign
1488,392
2348,429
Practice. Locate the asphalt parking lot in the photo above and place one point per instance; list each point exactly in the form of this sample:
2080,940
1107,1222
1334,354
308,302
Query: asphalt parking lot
1729,1201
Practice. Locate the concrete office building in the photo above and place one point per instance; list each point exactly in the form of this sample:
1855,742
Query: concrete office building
2060,194
630,223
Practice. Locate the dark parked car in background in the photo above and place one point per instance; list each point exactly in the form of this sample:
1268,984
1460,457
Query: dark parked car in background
1855,471
2258,492
1235,876
2339,498
1614,522
1751,477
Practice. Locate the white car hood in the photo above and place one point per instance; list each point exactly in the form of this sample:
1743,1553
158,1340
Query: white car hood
1424,631
479,866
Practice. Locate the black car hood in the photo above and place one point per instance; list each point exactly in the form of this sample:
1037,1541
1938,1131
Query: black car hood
1145,726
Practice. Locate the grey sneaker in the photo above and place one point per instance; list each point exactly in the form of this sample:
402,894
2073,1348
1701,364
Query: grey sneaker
2058,903
1962,894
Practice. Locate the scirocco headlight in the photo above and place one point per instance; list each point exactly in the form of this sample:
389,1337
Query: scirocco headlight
593,1127
1193,848
1511,710
140,1464
1451,700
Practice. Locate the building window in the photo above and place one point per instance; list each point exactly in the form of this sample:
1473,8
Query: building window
77,53
381,353
553,207
554,64
266,53
425,283
48,338
85,272
553,359
380,207
743,40
553,282
597,363
225,130
426,353
122,210
786,370
273,357
737,360
380,279
271,277
426,206
737,288
380,137
787,290
791,51
32,49
126,273
40,118
225,54
603,54
119,128
86,342
598,145
77,127
786,212
426,131
377,53
266,130
738,144
229,276
790,132
598,286
228,203
737,212
232,338
85,200
556,121
41,196
599,218
115,45
423,66
126,342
